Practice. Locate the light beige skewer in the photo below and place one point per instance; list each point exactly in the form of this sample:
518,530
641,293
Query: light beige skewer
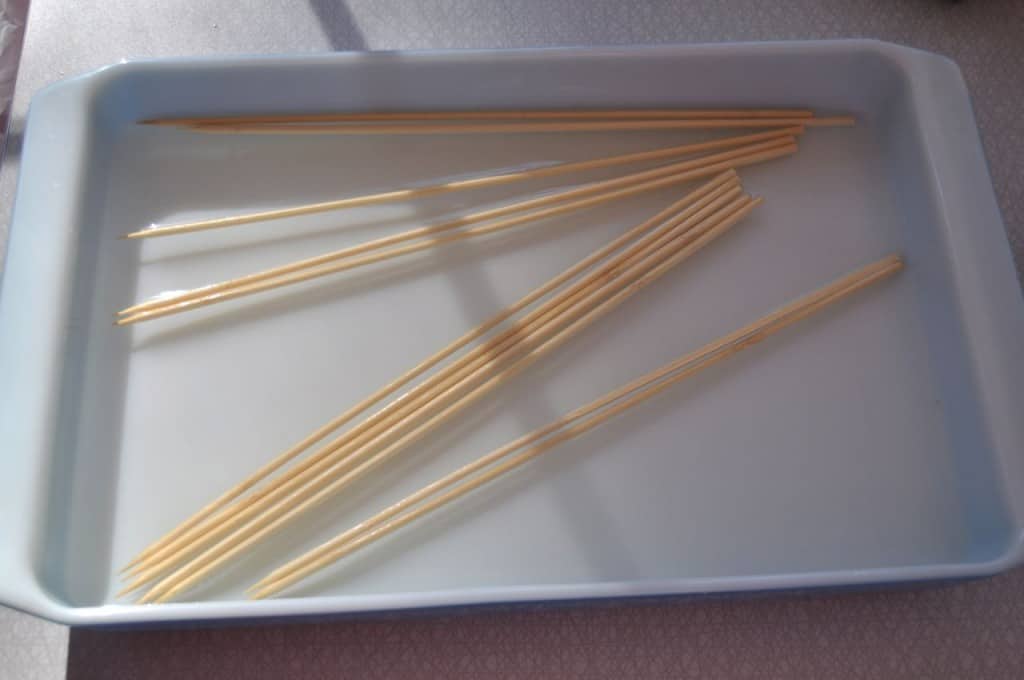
215,557
410,235
428,394
464,184
450,383
506,128
264,472
630,181
572,425
206,562
315,266
173,307
516,114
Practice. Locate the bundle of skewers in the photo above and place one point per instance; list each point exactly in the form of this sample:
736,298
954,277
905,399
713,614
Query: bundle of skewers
384,425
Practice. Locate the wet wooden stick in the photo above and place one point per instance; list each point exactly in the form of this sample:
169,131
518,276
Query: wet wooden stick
570,426
267,470
548,205
213,558
507,128
480,362
203,298
508,114
465,184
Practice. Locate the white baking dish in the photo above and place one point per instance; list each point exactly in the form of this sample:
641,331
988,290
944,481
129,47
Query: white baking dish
880,442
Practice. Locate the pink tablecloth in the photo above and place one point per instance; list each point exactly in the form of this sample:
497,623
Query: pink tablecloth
967,630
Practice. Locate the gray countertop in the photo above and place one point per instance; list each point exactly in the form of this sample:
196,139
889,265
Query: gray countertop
968,630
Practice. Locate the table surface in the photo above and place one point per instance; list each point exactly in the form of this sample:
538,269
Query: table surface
966,630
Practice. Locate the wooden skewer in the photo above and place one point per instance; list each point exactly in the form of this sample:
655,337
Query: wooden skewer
172,307
630,181
518,114
413,234
313,267
265,472
572,425
156,562
223,551
506,128
464,184
199,567
332,458
399,414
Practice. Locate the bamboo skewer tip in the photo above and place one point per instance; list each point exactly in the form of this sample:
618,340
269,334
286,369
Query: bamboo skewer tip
130,588
138,233
129,564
